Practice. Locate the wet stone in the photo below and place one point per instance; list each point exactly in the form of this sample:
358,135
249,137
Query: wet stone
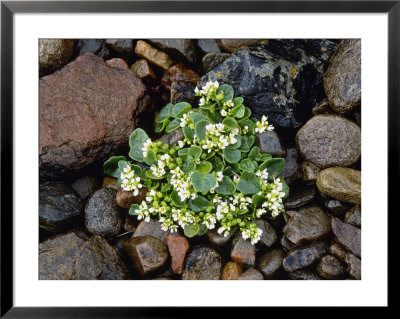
202,263
97,260
251,274
330,268
335,207
292,170
232,271
306,224
353,216
310,172
347,235
300,196
270,263
124,199
123,46
329,140
102,216
268,237
269,143
219,239
182,92
152,228
303,275
109,182
59,206
341,183
243,251
57,256
177,247
286,243
148,253
304,256
353,266
151,54
211,60
85,186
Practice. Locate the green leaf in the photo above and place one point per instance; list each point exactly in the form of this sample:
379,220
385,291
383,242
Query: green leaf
149,174
228,91
254,153
198,204
247,165
165,113
202,182
247,113
207,107
188,164
274,166
200,128
248,183
110,167
238,111
122,164
231,156
150,158
173,125
244,146
183,151
204,167
203,230
191,230
285,188
214,117
217,163
195,151
258,200
230,122
176,199
264,157
236,145
180,108
138,170
188,133
251,139
133,209
196,116
249,124
226,186
166,188
136,141
238,101
161,126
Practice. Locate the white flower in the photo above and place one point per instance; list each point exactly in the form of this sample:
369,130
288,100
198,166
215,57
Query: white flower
229,103
181,144
146,146
223,112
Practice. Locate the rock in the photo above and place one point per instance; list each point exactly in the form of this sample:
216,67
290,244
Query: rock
85,186
211,60
286,243
97,260
231,45
148,253
303,275
329,140
232,271
338,251
303,256
243,251
102,216
347,235
280,78
109,182
143,70
124,199
353,266
268,237
342,81
219,239
306,224
178,48
269,143
353,216
341,183
95,46
270,263
92,120
151,54
59,206
310,172
292,170
300,196
177,247
57,256
208,45
152,228
172,138
330,268
123,46
322,108
203,263
251,274
182,92
53,54
118,63
335,207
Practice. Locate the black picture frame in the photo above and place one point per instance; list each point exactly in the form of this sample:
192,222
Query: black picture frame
9,8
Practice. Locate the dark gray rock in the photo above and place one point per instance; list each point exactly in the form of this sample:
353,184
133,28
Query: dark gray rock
124,46
279,78
353,266
85,186
219,239
54,54
177,48
231,45
270,263
322,108
151,228
335,207
353,216
329,140
172,138
211,60
286,243
342,81
269,143
208,45
243,251
304,256
330,268
268,237
300,196
347,235
102,216
202,263
59,206
57,256
95,46
302,274
251,274
307,224
292,170
97,260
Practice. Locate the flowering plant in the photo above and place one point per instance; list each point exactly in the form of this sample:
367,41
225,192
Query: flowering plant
214,177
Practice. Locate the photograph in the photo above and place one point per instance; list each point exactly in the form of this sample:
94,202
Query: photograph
199,159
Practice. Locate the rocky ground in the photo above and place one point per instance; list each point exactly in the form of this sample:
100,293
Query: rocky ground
93,93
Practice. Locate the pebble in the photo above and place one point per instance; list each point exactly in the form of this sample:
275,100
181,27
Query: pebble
143,70
219,239
202,263
243,251
269,142
268,237
304,256
178,246
232,271
148,52
300,196
353,266
330,268
353,216
270,263
211,60
251,274
347,235
310,172
152,228
85,186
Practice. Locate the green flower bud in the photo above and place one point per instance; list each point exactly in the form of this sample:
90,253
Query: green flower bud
171,151
159,195
165,147
191,126
209,209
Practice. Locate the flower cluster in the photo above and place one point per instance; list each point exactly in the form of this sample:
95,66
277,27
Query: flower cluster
263,125
130,182
218,137
181,184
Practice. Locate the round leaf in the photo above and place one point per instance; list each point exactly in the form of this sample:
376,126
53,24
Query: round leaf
191,230
230,122
197,116
173,125
200,128
274,166
226,186
202,182
195,151
136,140
110,167
188,133
176,199
231,156
248,183
180,108
165,113
198,204
247,165
133,209
228,91
203,230
204,167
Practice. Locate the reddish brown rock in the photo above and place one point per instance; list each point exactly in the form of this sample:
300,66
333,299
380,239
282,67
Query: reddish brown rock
86,113
348,235
243,251
118,63
232,271
109,182
177,247
125,199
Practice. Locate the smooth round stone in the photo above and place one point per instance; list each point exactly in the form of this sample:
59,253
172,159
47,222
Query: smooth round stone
353,266
310,172
202,263
269,143
232,271
329,140
243,251
251,274
85,186
177,247
268,237
347,235
341,183
335,207
353,216
219,239
54,53
270,263
304,256
208,45
337,250
151,228
302,274
330,268
300,196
